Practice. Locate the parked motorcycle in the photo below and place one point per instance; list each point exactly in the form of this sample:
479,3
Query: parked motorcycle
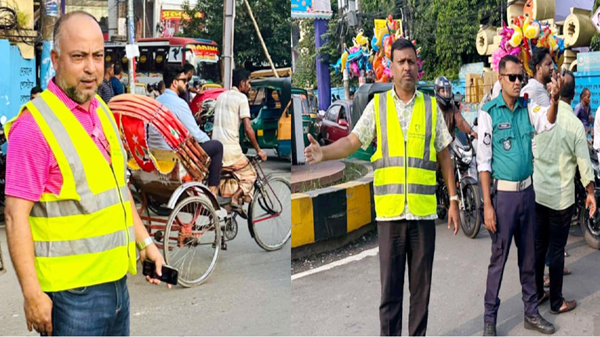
466,179
589,227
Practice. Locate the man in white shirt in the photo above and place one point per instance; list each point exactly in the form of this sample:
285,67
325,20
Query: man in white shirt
542,65
232,109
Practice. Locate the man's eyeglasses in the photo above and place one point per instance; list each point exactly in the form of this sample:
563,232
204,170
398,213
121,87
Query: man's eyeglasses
513,77
182,79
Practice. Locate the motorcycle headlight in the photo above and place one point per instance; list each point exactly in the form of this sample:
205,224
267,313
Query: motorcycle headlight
466,156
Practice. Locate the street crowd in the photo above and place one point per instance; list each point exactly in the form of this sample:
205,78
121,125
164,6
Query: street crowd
531,146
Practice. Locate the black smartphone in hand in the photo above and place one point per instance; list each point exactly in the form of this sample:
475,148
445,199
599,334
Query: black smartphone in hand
169,274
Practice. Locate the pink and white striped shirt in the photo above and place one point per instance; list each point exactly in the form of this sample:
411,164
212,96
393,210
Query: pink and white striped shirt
31,168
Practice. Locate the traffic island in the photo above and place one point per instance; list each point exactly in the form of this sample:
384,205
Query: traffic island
328,218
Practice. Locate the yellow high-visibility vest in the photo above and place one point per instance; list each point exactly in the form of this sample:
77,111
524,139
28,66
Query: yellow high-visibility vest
84,235
405,170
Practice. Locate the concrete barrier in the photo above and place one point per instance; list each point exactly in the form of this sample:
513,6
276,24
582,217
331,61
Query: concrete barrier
332,212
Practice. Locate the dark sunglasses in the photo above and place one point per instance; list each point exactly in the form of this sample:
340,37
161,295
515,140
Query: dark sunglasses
182,79
513,77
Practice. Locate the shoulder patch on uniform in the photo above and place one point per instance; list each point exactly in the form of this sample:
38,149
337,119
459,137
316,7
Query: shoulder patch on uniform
536,109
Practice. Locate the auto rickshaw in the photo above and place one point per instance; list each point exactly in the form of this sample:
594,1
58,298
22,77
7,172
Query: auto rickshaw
268,99
284,133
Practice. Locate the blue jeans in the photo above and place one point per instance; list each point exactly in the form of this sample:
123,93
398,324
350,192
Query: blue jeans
99,310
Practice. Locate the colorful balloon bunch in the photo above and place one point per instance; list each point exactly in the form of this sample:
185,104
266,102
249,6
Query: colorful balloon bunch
523,37
356,58
377,61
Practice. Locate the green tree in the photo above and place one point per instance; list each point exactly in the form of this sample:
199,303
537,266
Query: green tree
274,27
304,75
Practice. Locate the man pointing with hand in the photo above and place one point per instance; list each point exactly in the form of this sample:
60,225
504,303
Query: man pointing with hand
412,138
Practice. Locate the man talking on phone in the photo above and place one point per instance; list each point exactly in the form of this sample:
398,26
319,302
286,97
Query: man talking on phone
71,226
505,162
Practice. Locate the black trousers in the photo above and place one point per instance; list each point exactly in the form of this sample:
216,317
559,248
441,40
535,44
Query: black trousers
214,149
400,242
515,218
551,237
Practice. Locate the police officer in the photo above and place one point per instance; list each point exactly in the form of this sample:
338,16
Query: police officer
507,124
411,139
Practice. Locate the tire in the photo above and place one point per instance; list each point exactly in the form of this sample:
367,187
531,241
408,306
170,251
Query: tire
470,218
591,239
269,218
178,246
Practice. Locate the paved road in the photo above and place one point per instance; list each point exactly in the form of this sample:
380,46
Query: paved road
247,294
345,300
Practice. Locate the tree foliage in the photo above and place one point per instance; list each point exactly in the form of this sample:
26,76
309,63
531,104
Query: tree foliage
274,26
445,30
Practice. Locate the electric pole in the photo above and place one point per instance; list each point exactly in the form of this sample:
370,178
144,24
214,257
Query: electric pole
228,34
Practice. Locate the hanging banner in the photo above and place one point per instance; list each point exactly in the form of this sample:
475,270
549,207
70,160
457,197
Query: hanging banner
311,9
170,22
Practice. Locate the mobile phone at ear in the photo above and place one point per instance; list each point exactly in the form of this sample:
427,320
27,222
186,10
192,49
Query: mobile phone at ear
169,274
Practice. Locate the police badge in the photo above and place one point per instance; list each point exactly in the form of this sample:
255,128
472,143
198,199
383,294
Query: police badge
507,145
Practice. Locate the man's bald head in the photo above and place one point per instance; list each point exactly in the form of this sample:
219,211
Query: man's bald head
78,56
57,33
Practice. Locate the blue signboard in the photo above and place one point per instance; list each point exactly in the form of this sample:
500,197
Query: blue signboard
588,62
590,80
301,5
471,68
311,9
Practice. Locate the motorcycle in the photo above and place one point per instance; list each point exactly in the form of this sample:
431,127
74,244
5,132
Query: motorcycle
203,109
590,227
466,179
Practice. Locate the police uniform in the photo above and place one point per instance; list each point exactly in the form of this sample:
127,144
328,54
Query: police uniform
504,149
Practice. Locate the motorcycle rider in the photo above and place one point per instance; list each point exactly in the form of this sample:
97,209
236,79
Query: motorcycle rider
452,113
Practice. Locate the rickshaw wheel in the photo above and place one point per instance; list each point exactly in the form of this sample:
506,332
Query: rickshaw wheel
192,240
231,228
269,217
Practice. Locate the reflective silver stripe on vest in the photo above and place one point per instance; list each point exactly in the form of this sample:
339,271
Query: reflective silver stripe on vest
87,205
96,244
421,189
388,162
385,153
67,147
428,129
388,189
422,163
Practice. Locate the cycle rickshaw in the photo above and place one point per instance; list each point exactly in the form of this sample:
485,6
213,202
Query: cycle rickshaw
170,184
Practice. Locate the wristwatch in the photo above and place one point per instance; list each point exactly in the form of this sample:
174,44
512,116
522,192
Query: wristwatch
454,198
142,245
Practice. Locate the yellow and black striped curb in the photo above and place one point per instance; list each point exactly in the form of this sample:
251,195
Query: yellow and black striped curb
332,212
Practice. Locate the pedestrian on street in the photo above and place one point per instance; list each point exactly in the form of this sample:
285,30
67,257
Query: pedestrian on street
560,151
542,65
231,111
115,80
583,110
71,226
105,90
506,126
412,138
